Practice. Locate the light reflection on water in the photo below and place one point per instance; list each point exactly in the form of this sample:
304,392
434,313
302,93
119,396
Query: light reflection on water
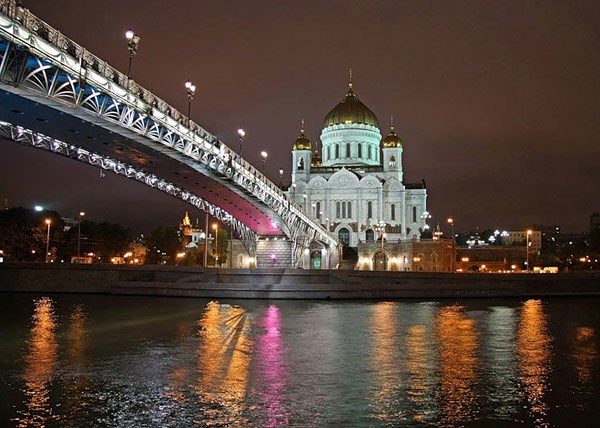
223,356
534,352
181,362
458,347
40,361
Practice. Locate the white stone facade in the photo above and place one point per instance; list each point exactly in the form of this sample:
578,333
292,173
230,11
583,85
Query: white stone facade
358,184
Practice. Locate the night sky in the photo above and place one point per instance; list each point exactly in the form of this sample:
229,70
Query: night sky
497,102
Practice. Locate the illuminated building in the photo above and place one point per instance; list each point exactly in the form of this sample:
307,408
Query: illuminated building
355,182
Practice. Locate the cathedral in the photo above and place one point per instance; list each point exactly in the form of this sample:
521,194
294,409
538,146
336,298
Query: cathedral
354,185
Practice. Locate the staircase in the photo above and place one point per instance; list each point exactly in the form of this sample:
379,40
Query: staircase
274,253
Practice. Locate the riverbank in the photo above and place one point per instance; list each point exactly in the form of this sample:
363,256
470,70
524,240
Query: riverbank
286,283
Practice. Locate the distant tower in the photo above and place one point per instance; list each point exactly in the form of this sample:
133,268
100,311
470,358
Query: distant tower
392,154
301,156
185,228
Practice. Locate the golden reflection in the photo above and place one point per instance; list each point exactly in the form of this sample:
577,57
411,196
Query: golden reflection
458,346
385,360
77,380
223,359
534,351
417,353
586,353
39,366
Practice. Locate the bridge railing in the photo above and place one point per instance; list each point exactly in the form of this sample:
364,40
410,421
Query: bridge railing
86,65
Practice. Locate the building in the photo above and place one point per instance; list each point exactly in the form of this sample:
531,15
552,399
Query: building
191,236
595,232
519,237
354,185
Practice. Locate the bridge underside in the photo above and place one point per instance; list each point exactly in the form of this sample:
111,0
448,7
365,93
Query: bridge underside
63,126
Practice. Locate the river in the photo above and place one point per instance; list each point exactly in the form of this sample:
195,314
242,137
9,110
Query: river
81,360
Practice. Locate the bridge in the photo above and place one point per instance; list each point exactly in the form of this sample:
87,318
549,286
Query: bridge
58,97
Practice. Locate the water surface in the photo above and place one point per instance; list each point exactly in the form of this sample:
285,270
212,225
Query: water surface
76,360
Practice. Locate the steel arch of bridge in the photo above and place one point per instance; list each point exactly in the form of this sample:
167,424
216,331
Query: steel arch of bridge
27,137
39,62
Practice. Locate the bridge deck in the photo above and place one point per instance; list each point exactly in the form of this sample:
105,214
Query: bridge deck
66,127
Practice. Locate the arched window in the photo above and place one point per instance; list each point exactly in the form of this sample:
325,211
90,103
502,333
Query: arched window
370,235
343,209
328,152
359,150
393,213
369,153
349,209
337,151
369,209
301,164
337,210
318,210
392,161
347,150
414,216
344,235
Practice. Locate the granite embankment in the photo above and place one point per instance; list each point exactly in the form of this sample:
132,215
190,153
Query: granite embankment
286,283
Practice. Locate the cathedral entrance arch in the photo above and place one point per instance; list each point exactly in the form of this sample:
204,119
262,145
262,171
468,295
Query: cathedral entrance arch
344,236
379,261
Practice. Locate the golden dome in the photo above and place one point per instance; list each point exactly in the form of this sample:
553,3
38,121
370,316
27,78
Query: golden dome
302,143
350,110
315,160
392,141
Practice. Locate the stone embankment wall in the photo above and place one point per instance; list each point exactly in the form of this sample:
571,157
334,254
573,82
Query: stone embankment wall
287,283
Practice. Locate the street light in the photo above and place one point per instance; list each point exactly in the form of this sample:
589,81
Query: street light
529,232
81,214
191,90
133,41
425,216
450,221
280,178
263,155
381,228
38,208
216,229
47,221
241,134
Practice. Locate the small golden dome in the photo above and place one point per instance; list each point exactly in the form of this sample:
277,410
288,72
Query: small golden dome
350,110
392,141
302,143
315,160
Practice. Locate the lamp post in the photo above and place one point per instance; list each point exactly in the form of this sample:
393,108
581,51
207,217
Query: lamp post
451,222
216,229
382,230
280,178
133,42
529,232
425,216
81,214
47,221
191,90
263,155
241,134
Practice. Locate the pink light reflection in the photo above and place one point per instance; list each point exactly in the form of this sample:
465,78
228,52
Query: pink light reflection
270,358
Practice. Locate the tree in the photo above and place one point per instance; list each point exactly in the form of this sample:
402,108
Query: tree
106,240
222,246
162,240
193,257
23,234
